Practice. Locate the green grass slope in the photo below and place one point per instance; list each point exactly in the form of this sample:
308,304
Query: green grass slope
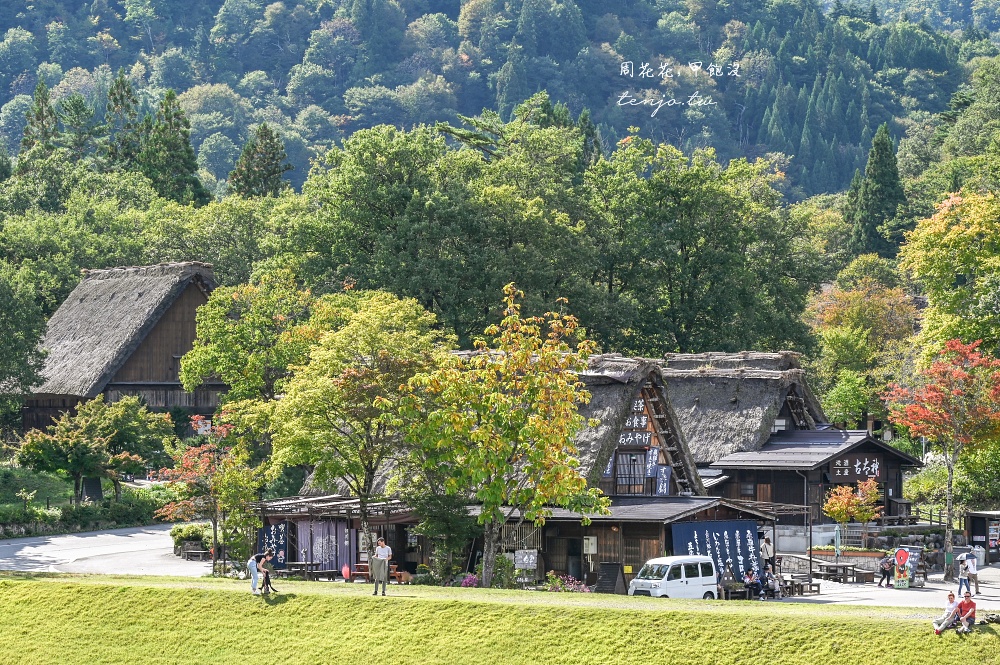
117,620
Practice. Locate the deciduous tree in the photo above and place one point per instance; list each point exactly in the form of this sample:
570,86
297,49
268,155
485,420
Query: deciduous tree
955,403
500,423
339,411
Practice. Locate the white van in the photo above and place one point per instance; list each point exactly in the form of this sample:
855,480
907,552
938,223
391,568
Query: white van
676,577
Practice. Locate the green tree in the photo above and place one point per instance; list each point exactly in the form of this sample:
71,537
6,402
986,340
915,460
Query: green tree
339,411
21,328
244,337
500,423
43,123
122,118
71,445
874,203
166,156
260,166
80,128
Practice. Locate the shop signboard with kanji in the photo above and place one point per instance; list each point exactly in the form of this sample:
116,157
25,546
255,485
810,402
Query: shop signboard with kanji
857,466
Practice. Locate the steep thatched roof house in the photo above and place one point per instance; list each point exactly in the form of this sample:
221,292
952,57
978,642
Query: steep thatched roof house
122,331
732,402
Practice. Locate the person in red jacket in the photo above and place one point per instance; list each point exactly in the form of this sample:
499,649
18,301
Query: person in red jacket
966,614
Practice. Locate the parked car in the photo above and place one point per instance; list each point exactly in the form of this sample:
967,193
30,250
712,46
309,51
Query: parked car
676,577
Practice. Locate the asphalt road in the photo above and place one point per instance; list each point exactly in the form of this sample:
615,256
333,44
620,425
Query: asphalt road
136,551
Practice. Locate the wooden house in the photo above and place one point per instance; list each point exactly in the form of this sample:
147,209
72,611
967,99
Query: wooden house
123,331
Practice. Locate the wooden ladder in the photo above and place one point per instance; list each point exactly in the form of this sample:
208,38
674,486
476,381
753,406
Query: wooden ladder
668,439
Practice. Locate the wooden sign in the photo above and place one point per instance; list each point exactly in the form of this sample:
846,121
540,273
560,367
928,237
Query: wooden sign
854,467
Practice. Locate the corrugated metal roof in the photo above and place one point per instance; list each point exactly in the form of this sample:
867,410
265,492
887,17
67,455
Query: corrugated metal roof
652,509
804,450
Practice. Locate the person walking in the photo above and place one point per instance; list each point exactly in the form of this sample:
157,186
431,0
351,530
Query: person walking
973,571
948,617
767,551
966,614
963,576
380,565
254,564
885,565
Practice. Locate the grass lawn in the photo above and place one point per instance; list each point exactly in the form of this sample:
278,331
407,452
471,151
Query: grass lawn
46,485
106,619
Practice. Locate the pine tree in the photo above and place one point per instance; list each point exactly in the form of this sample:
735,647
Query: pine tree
167,158
122,118
873,203
43,123
6,168
260,166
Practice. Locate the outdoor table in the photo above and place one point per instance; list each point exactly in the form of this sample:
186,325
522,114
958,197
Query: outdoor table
304,568
838,572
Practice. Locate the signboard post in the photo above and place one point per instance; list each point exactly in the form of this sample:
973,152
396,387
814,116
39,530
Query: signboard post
526,565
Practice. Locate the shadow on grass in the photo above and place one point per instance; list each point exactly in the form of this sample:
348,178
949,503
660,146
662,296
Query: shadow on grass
278,598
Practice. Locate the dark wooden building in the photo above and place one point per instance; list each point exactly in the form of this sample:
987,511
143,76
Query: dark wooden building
123,331
800,467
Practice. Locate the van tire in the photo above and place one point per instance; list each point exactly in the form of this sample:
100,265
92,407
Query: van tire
709,595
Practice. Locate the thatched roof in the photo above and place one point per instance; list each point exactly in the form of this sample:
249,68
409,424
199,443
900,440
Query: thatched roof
727,402
613,382
104,320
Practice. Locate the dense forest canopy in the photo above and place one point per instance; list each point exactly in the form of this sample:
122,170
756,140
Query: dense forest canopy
814,82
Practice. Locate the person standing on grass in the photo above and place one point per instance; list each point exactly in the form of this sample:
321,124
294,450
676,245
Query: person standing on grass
966,614
973,573
254,564
380,565
948,616
767,551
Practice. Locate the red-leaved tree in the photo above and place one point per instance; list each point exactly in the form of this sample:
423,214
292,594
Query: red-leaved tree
955,403
215,480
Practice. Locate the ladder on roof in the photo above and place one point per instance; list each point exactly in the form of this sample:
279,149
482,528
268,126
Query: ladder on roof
669,444
797,407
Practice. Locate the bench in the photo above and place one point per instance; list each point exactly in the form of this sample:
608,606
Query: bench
363,570
864,576
201,555
808,588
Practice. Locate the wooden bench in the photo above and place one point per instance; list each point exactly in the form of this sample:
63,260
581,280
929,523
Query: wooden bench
363,570
864,576
201,555
808,588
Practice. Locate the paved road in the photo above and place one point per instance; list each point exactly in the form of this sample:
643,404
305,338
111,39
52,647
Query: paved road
135,551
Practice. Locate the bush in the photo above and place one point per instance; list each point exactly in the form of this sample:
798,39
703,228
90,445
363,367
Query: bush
504,574
470,580
564,583
200,533
424,579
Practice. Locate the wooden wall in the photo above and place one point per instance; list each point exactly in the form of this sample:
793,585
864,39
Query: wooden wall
156,359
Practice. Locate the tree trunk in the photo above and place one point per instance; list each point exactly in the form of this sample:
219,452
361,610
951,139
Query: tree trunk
491,542
366,529
215,540
77,487
949,548
118,487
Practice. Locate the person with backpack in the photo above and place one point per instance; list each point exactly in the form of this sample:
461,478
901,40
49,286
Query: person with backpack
885,564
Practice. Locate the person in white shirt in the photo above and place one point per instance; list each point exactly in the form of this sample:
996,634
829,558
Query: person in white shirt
380,565
949,615
767,551
973,572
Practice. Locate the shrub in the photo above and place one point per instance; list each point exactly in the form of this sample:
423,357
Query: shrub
425,579
564,583
470,580
200,533
504,573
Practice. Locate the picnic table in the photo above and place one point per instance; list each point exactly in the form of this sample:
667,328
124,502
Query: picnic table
201,555
837,572
362,570
306,569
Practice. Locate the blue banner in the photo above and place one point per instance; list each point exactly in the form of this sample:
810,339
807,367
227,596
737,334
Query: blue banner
663,480
732,541
274,537
652,457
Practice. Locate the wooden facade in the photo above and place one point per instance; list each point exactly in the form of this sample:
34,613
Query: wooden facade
802,467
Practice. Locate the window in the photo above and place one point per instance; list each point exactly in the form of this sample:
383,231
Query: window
747,491
706,570
631,471
691,571
780,425
674,574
